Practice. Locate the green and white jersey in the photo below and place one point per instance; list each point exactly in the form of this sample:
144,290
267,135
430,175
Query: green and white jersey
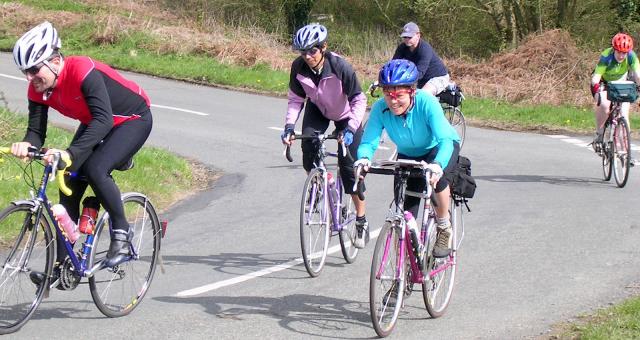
610,69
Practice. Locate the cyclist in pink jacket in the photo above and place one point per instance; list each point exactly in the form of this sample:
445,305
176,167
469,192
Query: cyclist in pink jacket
328,85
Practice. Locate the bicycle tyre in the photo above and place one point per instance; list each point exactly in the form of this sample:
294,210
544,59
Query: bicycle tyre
32,250
435,299
386,277
456,119
119,290
621,152
607,146
348,232
314,223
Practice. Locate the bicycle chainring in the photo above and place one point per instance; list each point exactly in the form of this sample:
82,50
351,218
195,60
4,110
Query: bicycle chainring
69,279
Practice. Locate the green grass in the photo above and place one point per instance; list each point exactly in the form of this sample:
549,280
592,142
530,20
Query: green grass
531,117
162,176
138,51
59,5
618,322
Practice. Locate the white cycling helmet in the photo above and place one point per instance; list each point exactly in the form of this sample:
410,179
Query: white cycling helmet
36,46
309,36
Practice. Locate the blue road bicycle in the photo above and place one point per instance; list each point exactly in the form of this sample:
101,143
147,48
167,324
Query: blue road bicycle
27,244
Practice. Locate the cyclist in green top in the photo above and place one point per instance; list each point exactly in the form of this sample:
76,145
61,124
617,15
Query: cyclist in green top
614,64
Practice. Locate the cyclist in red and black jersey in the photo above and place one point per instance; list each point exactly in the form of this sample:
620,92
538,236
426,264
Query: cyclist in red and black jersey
115,121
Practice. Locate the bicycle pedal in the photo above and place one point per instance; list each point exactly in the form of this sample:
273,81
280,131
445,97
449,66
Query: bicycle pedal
54,284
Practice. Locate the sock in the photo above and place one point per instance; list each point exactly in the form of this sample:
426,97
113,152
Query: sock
442,222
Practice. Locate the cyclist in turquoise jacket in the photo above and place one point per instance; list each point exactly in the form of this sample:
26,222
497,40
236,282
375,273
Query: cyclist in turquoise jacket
415,122
617,62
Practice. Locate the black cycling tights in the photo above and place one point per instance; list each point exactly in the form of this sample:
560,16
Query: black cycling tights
412,203
116,149
314,121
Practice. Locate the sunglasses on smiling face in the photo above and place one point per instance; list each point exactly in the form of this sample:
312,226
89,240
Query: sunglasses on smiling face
397,93
33,70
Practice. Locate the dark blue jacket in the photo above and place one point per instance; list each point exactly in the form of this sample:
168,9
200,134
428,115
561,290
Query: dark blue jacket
428,63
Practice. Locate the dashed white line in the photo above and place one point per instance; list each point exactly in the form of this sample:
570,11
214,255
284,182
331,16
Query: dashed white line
179,109
12,77
152,105
582,143
299,132
256,274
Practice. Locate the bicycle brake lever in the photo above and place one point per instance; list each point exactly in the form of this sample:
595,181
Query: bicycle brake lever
287,153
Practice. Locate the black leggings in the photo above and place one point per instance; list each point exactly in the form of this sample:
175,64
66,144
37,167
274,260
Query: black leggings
115,150
314,121
418,184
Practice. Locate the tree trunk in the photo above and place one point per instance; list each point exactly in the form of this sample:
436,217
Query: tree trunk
297,12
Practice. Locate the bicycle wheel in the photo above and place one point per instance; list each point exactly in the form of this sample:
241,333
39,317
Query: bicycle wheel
438,285
23,249
314,223
386,281
348,231
456,119
607,146
621,153
119,290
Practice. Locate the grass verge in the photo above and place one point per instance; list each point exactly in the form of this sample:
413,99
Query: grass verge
137,49
614,323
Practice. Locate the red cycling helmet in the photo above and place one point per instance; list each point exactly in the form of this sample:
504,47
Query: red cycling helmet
622,43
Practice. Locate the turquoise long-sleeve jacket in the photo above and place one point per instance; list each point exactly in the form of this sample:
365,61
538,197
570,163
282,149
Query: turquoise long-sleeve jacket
421,129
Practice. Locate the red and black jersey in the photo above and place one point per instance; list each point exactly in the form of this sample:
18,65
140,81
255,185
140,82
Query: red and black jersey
91,92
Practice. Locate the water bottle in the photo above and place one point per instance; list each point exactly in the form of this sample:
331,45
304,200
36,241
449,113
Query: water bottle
332,186
90,208
413,233
330,178
69,227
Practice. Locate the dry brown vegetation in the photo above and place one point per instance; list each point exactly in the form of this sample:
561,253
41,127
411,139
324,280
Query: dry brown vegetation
546,68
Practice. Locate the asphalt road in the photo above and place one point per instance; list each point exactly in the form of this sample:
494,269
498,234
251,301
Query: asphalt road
546,240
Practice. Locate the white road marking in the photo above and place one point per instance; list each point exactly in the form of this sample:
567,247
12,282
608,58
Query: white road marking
12,77
582,143
152,105
259,273
179,109
299,132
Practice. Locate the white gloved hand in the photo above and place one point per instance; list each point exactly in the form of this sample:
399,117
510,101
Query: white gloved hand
436,171
364,162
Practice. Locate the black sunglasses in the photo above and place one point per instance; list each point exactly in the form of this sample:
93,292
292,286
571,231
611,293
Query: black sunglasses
311,51
33,70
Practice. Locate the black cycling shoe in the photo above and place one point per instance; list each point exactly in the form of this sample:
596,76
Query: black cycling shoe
119,248
38,277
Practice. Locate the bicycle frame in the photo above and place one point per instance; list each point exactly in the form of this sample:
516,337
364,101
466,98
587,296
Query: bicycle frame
41,201
334,192
397,220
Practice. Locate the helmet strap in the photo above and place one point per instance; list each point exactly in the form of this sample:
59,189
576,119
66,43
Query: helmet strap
318,67
47,93
411,104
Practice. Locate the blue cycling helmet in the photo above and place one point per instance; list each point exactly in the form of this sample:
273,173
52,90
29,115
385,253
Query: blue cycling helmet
398,72
309,36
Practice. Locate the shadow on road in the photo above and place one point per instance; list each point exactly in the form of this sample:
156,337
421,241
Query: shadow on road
304,314
56,310
556,180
